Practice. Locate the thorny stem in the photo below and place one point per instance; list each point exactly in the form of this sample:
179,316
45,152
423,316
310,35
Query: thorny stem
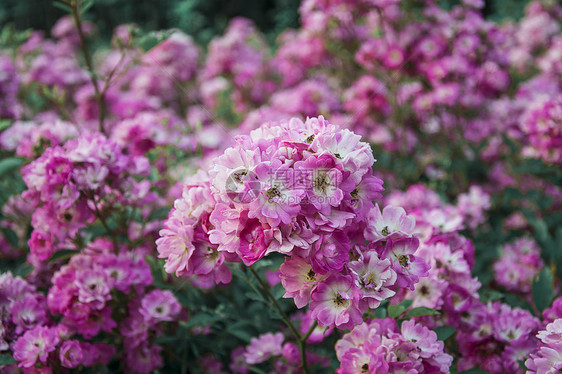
74,5
301,340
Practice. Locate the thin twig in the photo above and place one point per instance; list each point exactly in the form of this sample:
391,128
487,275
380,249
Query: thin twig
300,339
75,6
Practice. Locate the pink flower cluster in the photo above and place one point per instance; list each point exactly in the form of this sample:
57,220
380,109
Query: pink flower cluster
381,346
305,190
542,124
431,86
519,263
27,329
9,85
68,184
85,292
493,336
548,358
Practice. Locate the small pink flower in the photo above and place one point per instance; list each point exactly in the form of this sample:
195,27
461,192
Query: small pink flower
334,302
35,345
263,347
159,305
373,276
175,243
392,223
41,245
298,279
70,354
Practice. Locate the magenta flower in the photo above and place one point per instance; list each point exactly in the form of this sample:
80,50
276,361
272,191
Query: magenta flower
263,347
278,200
548,360
552,333
70,354
175,243
28,312
159,305
35,345
324,181
330,252
41,245
393,223
408,267
298,279
374,277
334,302
93,287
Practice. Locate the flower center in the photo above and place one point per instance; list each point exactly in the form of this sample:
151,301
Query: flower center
310,276
403,260
237,176
321,183
339,300
272,192
385,231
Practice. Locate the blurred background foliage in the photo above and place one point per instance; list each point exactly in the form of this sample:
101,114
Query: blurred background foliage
202,19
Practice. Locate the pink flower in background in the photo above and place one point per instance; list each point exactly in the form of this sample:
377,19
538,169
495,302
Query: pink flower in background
71,354
35,346
159,305
263,347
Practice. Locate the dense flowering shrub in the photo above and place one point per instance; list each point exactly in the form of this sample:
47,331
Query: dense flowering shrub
169,207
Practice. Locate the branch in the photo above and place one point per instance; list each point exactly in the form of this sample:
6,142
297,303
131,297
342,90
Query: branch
75,6
300,339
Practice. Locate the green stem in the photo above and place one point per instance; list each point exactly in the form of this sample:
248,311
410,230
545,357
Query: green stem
302,346
74,5
309,332
301,340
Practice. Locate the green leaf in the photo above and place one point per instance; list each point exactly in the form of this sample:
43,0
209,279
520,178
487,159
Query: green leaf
10,236
63,254
240,330
487,295
199,319
474,371
4,124
395,310
543,290
63,6
85,6
9,164
160,213
256,296
278,291
407,303
7,359
380,313
444,332
421,311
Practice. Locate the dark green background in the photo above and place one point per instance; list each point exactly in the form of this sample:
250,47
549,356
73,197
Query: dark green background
201,18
